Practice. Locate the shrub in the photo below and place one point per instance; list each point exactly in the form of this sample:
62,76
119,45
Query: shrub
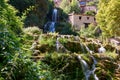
8,17
32,30
65,28
31,33
89,31
20,68
91,13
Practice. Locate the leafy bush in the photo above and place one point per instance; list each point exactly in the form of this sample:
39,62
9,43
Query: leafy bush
25,69
91,13
9,44
34,17
65,28
64,66
89,31
8,18
31,33
32,30
48,39
13,66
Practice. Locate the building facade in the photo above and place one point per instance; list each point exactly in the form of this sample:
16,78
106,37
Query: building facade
79,21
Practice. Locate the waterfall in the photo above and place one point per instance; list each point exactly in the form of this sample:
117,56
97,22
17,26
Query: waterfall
54,19
50,26
88,50
88,72
60,47
54,15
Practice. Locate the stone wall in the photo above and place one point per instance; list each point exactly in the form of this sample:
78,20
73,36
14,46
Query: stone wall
79,21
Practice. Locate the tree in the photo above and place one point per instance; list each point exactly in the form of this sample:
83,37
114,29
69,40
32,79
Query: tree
108,17
35,16
65,5
70,6
10,28
13,65
75,6
113,18
22,5
8,18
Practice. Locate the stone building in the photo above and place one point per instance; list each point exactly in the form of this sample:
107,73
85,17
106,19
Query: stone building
79,21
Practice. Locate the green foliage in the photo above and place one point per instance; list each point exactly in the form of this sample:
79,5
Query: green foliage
8,45
88,32
113,18
91,13
65,28
32,30
29,35
41,10
33,11
93,3
48,40
1,78
64,66
63,40
69,7
108,17
22,5
8,18
10,25
13,65
75,7
25,69
65,5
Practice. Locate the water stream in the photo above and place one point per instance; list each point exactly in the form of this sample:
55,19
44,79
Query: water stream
90,51
86,70
50,26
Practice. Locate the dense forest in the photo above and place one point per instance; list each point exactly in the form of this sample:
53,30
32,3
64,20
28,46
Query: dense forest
38,41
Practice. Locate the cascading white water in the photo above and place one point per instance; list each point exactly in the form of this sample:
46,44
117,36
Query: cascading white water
54,19
60,47
50,26
54,15
94,68
88,72
88,50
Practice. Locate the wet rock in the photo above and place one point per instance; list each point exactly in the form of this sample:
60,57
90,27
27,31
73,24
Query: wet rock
101,49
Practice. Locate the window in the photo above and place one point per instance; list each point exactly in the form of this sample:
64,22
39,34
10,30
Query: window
80,17
87,18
